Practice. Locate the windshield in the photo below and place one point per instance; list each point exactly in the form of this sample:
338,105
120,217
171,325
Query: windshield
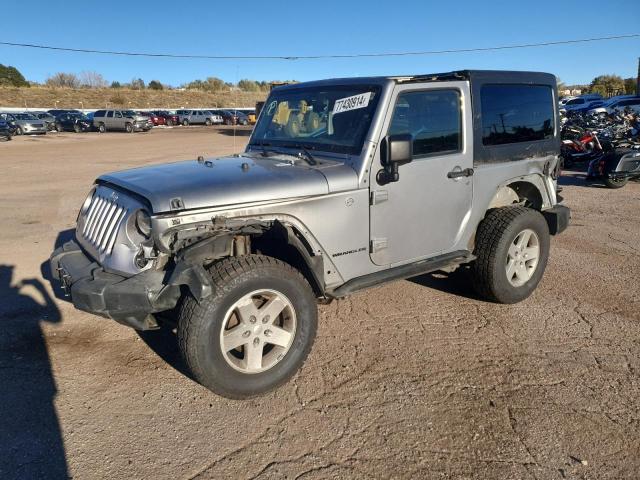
331,118
25,116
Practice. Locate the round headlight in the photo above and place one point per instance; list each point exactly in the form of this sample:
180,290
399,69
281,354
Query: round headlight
143,223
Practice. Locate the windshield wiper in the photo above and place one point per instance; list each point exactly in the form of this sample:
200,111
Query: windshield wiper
303,153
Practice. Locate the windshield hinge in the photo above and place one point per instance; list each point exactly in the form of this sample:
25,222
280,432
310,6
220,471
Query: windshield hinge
378,196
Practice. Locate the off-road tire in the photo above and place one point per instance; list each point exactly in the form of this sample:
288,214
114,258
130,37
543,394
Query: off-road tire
494,236
200,324
102,128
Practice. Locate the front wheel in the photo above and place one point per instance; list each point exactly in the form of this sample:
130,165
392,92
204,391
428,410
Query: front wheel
185,123
207,122
254,332
512,248
19,131
128,128
59,127
77,128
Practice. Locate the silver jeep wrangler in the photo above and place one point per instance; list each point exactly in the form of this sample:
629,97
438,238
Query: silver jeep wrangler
345,184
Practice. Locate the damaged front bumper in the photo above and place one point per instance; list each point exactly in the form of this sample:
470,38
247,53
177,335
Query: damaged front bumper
131,301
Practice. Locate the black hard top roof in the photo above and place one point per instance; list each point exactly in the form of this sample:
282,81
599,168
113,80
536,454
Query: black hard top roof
484,76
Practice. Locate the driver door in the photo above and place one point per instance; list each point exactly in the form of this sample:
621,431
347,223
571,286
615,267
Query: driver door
423,214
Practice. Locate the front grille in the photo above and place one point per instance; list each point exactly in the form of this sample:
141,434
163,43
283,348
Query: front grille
102,222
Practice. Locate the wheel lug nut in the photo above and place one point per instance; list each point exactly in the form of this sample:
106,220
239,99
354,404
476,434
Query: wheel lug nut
256,342
265,319
252,319
246,334
267,333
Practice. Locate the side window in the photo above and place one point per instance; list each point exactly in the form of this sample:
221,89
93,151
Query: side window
516,113
110,114
118,115
432,117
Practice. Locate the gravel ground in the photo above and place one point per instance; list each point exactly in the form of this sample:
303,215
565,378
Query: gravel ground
414,379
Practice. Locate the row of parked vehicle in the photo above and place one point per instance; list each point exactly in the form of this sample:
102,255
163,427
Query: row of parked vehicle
61,120
607,145
594,103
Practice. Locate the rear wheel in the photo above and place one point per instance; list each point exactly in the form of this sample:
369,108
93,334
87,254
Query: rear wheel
254,332
616,183
512,248
76,128
102,128
19,131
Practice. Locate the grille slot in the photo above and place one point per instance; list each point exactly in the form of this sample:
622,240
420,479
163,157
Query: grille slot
102,222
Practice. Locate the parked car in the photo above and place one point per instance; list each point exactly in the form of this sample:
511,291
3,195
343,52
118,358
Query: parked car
155,119
127,120
170,119
5,130
581,102
73,122
228,117
25,123
58,111
197,117
247,245
618,105
47,118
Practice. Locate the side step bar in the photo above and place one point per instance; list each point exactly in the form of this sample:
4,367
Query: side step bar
401,272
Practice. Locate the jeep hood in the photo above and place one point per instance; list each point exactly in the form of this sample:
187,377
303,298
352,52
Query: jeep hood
230,180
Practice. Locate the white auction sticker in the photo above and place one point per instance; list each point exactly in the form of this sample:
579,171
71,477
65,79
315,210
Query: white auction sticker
351,103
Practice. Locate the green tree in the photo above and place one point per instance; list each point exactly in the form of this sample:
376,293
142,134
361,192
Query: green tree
116,84
630,86
607,85
155,85
10,76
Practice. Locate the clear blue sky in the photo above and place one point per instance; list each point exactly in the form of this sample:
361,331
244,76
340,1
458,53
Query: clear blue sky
278,27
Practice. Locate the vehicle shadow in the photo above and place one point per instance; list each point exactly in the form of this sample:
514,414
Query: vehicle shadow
237,132
578,180
164,343
31,444
457,283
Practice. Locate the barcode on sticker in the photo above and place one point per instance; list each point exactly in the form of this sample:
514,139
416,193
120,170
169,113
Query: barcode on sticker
351,103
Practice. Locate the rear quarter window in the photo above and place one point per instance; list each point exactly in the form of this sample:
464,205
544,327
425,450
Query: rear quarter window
516,113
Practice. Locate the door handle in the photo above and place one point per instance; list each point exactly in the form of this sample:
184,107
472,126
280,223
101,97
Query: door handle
467,172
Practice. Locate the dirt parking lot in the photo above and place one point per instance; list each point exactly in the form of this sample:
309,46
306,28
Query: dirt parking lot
415,379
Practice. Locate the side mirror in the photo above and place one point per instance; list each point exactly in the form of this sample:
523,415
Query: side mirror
396,150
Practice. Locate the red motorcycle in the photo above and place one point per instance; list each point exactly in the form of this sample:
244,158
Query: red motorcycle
582,149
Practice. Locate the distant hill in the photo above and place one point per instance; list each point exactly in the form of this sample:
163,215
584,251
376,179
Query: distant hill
123,98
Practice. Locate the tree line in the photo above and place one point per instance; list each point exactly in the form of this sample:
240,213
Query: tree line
10,76
606,85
